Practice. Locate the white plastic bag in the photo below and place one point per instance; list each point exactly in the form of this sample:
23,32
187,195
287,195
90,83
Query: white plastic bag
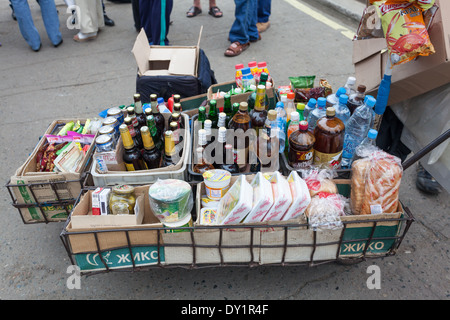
235,204
300,196
262,199
282,197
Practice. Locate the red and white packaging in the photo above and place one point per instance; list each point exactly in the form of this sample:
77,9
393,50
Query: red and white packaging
96,201
235,204
300,196
282,198
262,199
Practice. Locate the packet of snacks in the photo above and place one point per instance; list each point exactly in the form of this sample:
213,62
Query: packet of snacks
404,28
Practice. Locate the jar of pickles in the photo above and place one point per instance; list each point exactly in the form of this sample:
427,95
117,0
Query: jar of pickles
122,200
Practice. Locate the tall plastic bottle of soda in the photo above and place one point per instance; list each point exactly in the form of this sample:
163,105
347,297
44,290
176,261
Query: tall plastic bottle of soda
329,134
301,147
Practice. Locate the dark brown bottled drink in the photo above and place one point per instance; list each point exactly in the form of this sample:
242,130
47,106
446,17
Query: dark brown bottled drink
131,155
356,99
329,134
301,147
258,114
176,115
140,115
240,123
159,118
150,154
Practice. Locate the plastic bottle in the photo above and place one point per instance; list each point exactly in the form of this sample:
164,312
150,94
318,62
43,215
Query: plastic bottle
247,79
317,113
329,134
289,106
342,111
357,127
162,106
281,124
300,110
367,146
356,99
310,106
238,74
350,86
301,147
333,99
262,67
293,124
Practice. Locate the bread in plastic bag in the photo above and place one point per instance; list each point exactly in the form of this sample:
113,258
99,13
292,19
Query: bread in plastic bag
320,181
262,199
235,204
171,199
375,184
300,196
325,210
282,197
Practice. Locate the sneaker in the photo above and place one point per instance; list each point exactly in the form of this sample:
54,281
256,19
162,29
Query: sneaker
426,183
263,26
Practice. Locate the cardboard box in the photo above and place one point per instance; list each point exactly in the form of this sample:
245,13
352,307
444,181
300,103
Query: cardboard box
47,196
412,78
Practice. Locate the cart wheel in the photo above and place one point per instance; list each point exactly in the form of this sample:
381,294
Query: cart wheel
350,261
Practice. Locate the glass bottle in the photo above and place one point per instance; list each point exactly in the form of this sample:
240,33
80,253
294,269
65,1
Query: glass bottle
177,99
140,115
258,115
202,165
213,113
151,155
264,147
131,155
201,117
177,138
240,123
177,113
227,108
356,99
263,78
235,107
222,120
301,147
160,122
157,139
329,134
131,129
169,149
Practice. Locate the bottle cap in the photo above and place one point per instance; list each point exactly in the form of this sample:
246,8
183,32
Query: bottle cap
331,111
208,123
362,88
222,134
202,137
340,91
343,98
239,66
272,115
291,95
280,104
300,106
246,70
303,125
321,102
263,77
295,116
370,101
351,80
372,134
160,100
312,102
262,64
243,106
252,64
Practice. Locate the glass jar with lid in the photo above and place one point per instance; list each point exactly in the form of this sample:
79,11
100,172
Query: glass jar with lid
122,200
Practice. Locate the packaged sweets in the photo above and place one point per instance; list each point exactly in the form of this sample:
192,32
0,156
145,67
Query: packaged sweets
235,204
325,210
282,197
300,196
262,199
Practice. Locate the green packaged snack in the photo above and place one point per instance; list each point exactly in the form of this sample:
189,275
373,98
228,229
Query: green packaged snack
302,82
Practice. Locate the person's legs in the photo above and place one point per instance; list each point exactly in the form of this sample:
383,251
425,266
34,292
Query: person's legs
51,21
136,16
91,19
238,30
26,24
252,16
264,11
214,9
155,18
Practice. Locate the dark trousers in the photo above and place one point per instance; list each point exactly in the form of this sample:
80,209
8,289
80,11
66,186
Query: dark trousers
155,19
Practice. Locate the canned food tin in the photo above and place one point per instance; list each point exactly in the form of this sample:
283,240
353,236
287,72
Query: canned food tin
117,113
104,143
113,122
108,130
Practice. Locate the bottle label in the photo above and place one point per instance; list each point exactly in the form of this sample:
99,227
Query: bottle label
304,158
331,159
129,167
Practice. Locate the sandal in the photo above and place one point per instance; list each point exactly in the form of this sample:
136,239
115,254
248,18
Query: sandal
193,11
215,12
236,49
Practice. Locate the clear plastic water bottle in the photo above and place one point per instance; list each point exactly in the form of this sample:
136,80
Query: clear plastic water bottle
342,111
281,124
350,86
333,99
356,130
367,146
373,111
317,113
310,106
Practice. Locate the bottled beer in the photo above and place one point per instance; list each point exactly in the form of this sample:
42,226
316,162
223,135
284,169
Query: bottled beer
132,130
241,120
177,99
169,150
228,162
150,154
262,81
140,115
329,134
157,139
177,138
201,164
160,122
177,113
213,113
201,117
235,108
259,114
131,155
301,147
227,109
222,120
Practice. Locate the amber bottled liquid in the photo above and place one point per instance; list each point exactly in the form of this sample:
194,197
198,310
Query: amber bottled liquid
169,157
259,114
241,120
139,112
150,154
329,134
131,155
160,122
301,147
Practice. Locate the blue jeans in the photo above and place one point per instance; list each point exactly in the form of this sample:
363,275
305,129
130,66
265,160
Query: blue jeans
26,24
264,7
244,25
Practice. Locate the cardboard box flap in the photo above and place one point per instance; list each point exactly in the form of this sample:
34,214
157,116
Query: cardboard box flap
363,49
141,51
183,62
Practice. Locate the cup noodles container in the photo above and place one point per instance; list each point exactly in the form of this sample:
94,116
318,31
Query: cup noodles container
262,199
217,183
234,205
282,198
300,196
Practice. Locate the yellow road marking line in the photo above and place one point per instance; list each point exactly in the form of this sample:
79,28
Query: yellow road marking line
320,17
